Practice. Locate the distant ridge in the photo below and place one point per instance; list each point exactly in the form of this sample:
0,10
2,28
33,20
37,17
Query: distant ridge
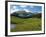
24,14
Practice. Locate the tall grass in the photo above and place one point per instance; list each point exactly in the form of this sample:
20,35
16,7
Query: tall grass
29,24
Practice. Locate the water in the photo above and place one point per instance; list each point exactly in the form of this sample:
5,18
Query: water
13,26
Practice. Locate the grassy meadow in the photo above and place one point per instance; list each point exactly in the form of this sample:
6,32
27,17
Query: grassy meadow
28,24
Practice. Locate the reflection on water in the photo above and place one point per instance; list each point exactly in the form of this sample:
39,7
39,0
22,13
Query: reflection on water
13,26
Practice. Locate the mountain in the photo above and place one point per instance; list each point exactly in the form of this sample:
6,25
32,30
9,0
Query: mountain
24,14
21,14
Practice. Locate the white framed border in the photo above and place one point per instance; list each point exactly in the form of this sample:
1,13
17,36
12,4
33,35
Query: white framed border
25,32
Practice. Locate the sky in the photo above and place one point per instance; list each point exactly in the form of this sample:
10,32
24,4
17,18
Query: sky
27,8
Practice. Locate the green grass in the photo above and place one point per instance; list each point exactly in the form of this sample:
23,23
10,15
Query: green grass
30,24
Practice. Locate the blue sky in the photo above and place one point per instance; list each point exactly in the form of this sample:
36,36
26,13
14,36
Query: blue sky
27,8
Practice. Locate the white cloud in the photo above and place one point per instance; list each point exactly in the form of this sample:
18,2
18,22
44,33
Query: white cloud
12,11
23,6
14,7
39,11
27,10
32,6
